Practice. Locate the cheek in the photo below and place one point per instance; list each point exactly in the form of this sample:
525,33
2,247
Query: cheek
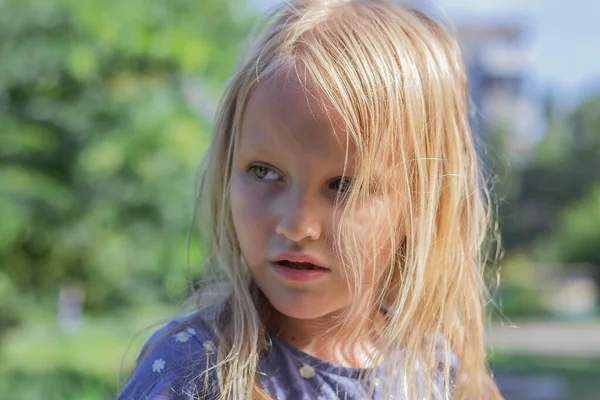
371,228
370,225
250,213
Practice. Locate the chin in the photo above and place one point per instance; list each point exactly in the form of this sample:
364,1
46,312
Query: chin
302,309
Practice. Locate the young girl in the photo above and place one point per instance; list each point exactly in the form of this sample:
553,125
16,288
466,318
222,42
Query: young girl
346,213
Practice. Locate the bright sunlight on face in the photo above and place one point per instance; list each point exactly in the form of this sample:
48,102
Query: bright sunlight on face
288,178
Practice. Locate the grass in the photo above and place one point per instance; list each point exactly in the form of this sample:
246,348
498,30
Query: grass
39,361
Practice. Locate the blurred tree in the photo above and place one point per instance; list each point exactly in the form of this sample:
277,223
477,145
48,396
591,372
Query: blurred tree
98,144
564,169
578,236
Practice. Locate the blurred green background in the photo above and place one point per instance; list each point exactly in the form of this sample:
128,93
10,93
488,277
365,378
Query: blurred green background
105,112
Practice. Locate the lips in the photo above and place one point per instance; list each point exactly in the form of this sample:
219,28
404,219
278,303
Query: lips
299,267
306,266
299,261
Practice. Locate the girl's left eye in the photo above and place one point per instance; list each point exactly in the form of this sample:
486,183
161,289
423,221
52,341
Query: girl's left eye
341,185
265,173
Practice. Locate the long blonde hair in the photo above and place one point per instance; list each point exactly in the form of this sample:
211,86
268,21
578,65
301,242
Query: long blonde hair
397,79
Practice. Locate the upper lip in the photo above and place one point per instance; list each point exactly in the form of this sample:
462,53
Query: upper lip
299,258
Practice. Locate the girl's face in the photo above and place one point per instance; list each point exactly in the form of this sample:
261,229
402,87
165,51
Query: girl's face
287,170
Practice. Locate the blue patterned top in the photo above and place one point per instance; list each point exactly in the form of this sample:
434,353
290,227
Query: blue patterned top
173,365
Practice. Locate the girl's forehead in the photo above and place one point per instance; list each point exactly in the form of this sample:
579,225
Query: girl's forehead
286,113
284,108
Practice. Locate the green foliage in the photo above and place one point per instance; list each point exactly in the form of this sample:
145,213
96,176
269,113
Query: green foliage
57,385
548,208
9,304
517,301
578,235
98,144
564,169
40,361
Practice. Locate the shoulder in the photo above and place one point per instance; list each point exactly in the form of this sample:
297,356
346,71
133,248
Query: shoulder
445,370
175,363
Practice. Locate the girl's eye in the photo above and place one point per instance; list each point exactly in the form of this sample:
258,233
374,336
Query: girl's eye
265,173
341,185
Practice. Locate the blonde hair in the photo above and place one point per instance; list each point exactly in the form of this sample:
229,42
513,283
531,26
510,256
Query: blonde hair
397,79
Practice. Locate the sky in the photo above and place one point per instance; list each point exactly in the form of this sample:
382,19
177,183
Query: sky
564,37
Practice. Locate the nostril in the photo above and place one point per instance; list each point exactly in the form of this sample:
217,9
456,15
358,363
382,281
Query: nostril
299,232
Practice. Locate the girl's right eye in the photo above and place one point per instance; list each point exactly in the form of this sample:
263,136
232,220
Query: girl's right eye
265,173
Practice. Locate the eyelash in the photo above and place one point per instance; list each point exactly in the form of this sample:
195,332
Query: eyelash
347,182
253,169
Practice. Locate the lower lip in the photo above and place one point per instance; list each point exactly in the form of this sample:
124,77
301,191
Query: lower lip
301,275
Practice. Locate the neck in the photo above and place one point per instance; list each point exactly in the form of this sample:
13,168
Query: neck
328,339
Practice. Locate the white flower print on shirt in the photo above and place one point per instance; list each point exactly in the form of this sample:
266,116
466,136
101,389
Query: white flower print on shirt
191,331
182,336
209,346
158,365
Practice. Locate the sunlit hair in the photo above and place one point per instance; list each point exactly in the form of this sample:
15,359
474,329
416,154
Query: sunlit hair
396,78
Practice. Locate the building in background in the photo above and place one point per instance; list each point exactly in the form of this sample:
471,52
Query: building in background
498,57
498,63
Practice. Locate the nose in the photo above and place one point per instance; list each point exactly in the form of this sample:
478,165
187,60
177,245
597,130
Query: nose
299,218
